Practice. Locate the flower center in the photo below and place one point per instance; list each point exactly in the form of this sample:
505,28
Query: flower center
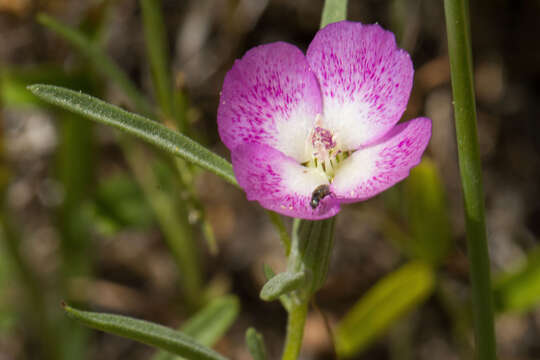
326,153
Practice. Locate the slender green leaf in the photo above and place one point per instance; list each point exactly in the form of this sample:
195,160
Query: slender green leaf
427,213
255,344
333,11
156,49
284,299
519,290
282,284
390,298
209,324
150,131
268,272
101,61
145,332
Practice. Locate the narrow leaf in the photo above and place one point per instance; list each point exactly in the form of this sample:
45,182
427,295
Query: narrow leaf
102,62
284,299
145,332
255,344
519,290
209,324
282,284
268,272
150,131
390,298
424,194
333,11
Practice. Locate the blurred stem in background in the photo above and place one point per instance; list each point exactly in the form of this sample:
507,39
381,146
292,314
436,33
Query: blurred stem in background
173,220
459,48
168,211
75,173
35,307
35,302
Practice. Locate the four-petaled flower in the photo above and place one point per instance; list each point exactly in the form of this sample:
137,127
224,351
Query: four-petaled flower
309,132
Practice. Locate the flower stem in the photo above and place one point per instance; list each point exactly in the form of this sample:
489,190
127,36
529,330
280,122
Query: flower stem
295,331
459,48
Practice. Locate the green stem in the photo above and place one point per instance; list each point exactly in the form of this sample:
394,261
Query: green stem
295,331
459,48
173,220
311,244
156,49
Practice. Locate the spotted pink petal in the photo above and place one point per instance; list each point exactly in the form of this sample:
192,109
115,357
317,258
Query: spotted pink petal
279,183
365,80
270,97
375,168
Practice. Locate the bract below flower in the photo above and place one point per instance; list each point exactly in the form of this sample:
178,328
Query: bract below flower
309,132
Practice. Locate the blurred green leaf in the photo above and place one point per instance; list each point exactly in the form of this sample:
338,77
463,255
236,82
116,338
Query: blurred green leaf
209,324
120,201
32,301
171,216
427,213
156,49
14,82
282,284
145,332
333,11
386,301
101,61
7,312
255,344
519,290
148,130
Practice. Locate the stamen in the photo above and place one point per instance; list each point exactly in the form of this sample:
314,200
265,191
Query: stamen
325,151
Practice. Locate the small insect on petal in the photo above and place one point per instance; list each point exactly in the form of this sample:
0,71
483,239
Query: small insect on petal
318,194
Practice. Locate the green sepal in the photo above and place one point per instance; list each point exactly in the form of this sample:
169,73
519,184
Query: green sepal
255,344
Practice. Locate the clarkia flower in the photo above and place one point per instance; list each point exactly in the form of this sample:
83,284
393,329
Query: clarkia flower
309,132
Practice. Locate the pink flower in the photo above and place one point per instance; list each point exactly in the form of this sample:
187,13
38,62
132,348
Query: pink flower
309,132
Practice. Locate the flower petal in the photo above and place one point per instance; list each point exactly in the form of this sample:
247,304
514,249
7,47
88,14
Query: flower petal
365,80
279,183
270,97
375,168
